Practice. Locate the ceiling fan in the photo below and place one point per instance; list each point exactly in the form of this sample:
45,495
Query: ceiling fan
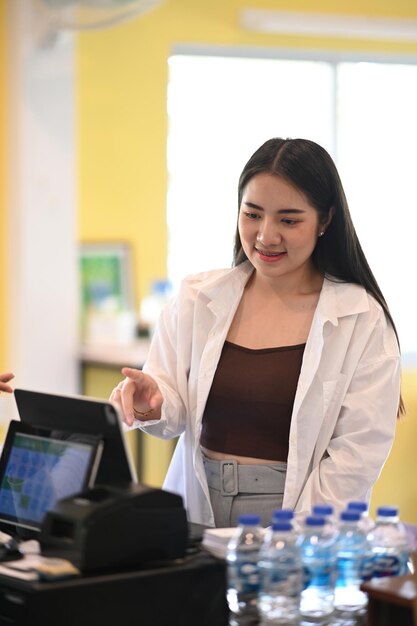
93,14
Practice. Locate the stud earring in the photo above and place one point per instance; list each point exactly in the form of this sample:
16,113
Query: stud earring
321,233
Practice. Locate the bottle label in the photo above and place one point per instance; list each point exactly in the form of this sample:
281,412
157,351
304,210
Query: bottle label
281,575
353,569
387,565
247,577
367,568
281,581
319,575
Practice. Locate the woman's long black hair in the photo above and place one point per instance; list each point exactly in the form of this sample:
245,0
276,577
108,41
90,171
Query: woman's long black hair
310,168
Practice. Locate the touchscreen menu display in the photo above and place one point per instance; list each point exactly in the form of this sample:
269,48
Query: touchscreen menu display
39,472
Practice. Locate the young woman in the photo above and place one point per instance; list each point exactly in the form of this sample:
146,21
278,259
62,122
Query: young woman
282,374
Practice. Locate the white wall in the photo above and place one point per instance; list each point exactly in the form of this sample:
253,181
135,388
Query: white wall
41,205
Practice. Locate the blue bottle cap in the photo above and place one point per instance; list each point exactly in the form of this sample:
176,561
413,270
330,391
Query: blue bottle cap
350,516
387,511
281,526
282,514
322,509
357,506
249,520
314,520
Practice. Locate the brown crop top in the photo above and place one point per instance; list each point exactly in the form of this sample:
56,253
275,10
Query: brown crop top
249,407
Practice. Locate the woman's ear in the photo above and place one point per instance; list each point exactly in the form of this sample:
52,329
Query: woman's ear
325,224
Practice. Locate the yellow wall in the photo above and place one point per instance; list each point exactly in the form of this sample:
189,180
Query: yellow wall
397,483
3,268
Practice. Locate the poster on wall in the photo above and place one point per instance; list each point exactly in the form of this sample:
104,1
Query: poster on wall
106,287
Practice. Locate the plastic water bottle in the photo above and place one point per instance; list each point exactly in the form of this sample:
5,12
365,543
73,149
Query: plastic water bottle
281,574
290,516
242,566
352,554
318,556
152,305
283,515
326,511
366,523
279,515
389,544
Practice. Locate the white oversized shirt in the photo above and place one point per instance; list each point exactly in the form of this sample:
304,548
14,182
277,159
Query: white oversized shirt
345,407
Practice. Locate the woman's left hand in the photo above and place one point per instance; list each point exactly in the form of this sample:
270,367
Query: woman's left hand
4,379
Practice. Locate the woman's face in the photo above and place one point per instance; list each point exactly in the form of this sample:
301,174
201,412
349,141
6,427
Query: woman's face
278,227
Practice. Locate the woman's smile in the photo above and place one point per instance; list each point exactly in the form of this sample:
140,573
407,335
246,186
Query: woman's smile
268,256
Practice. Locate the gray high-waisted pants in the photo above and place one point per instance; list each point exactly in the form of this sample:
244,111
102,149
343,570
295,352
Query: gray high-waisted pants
237,489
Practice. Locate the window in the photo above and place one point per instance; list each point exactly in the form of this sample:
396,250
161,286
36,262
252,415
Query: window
221,108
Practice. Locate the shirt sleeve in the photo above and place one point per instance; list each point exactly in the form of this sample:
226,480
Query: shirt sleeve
166,367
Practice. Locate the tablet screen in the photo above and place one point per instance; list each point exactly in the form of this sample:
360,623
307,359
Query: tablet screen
36,471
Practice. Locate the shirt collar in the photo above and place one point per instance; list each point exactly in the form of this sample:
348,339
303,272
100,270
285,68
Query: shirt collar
339,299
224,290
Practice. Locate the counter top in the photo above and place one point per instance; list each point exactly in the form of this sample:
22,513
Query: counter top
132,354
